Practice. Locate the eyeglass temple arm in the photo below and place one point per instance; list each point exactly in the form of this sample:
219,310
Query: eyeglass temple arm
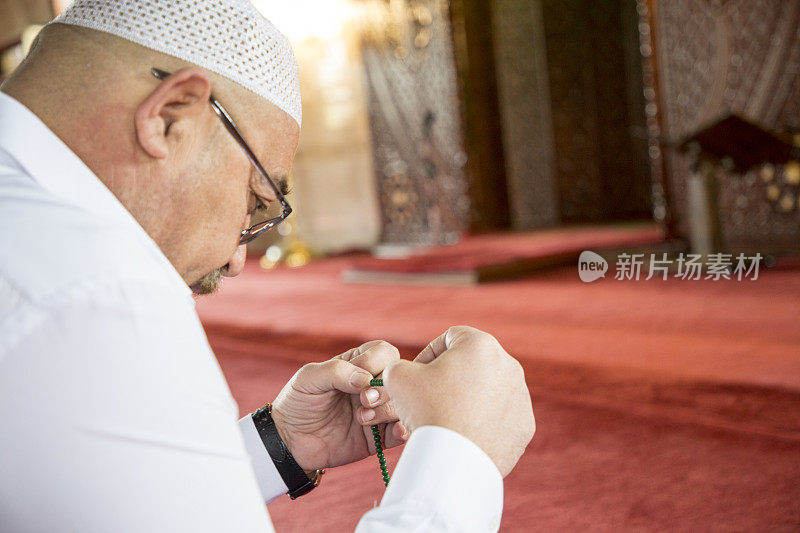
231,127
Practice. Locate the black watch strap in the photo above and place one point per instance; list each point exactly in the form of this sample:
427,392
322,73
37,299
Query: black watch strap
292,474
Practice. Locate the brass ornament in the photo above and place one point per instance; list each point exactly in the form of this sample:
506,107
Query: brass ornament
791,173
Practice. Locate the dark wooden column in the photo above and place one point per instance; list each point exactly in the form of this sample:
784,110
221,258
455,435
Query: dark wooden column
483,139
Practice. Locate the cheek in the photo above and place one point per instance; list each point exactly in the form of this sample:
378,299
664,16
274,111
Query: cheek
228,195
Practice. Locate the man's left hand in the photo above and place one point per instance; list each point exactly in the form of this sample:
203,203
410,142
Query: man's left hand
323,414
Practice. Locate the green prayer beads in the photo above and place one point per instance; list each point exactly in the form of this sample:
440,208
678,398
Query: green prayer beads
377,382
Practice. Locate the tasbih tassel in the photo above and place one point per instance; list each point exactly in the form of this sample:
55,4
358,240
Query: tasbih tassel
377,436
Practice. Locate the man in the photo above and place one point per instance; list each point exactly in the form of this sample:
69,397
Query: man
123,183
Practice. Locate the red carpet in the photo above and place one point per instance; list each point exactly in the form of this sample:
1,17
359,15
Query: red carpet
660,405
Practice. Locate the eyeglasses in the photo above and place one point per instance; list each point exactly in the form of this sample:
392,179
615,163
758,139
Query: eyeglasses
256,230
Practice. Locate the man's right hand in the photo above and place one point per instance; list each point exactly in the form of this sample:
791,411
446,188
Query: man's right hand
466,382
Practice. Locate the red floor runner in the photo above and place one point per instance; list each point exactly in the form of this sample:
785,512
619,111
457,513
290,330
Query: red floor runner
478,251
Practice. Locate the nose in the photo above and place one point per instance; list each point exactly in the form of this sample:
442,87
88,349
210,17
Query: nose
236,263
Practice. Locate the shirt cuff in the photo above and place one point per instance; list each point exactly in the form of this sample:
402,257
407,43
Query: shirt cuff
453,475
269,480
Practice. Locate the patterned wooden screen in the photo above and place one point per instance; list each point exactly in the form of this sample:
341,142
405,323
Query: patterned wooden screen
414,116
715,56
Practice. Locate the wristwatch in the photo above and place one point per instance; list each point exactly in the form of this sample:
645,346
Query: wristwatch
292,474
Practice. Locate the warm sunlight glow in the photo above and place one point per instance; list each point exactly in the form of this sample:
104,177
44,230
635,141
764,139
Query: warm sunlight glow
300,20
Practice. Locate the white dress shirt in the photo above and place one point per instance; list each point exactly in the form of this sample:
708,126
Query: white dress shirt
114,414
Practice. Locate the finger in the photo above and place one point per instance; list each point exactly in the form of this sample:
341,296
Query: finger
395,434
444,342
376,357
335,374
374,396
399,431
378,415
355,352
432,350
392,434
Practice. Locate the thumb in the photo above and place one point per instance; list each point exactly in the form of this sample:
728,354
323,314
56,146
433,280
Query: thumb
448,340
335,374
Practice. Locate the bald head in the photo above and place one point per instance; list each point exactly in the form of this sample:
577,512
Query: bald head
96,64
158,145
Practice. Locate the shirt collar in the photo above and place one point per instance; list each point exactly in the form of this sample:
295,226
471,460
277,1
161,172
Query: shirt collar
59,170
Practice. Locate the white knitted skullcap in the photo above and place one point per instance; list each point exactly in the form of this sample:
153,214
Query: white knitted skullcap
228,37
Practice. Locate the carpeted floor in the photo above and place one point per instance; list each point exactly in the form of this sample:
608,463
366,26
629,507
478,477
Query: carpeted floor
661,405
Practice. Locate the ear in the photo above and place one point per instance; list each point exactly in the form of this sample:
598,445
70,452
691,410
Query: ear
182,96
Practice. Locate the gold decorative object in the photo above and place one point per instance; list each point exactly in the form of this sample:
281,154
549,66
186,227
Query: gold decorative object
422,38
787,203
767,172
290,250
420,13
298,254
773,192
781,185
791,173
397,24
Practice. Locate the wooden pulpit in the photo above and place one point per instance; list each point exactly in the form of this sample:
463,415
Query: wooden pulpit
736,145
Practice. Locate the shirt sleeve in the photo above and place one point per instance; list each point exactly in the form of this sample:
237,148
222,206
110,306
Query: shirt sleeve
442,483
116,417
269,480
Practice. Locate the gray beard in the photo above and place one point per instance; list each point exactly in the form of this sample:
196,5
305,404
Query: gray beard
208,284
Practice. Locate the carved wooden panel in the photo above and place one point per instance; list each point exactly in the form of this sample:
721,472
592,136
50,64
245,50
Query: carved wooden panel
569,79
601,166
737,55
414,117
524,97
